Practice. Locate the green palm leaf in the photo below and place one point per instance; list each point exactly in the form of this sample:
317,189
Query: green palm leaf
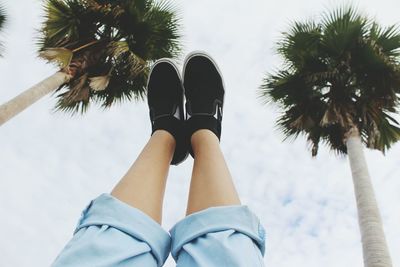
107,47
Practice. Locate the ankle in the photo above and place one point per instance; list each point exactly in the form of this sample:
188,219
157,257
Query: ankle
165,136
202,136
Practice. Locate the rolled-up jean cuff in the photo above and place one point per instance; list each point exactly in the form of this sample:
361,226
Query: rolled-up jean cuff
108,210
238,218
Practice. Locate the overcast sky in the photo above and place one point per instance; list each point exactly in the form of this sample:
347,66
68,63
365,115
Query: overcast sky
52,165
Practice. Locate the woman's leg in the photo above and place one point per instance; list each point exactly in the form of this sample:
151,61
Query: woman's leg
123,229
218,230
211,183
143,186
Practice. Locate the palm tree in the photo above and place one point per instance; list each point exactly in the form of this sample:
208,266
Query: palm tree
103,49
339,85
2,20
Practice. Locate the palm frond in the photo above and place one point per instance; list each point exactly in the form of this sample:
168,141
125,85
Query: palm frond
60,56
77,97
387,39
343,28
99,83
303,38
381,130
62,22
287,88
120,81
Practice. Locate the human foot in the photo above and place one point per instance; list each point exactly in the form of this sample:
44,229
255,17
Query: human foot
165,99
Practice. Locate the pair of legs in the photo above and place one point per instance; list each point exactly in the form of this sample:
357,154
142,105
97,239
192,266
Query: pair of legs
124,229
143,186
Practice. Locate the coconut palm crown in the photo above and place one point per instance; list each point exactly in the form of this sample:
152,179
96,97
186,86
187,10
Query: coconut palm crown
2,20
106,47
339,74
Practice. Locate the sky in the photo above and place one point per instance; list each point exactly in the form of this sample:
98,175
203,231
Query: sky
52,164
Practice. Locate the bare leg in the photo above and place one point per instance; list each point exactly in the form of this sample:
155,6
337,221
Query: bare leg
211,183
143,186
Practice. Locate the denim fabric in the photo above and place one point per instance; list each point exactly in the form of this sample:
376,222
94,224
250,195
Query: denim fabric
221,236
112,233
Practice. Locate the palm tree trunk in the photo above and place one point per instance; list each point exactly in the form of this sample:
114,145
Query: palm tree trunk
375,250
30,96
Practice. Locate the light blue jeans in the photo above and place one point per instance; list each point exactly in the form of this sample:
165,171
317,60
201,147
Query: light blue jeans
112,233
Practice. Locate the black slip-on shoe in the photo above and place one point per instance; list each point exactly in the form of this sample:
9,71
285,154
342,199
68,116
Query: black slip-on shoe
165,97
204,91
